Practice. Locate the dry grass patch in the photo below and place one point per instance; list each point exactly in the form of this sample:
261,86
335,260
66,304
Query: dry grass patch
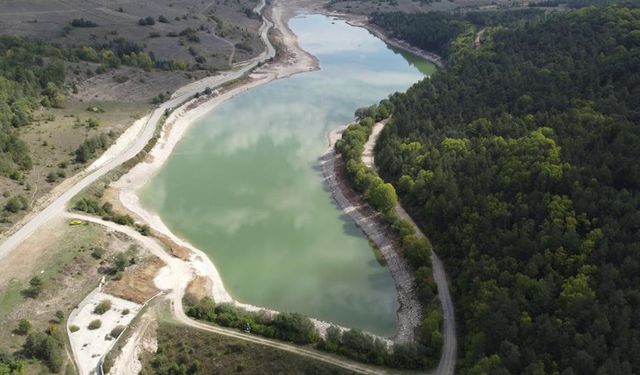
136,283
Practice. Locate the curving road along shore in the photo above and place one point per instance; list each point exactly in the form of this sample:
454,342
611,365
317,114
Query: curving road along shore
447,363
57,205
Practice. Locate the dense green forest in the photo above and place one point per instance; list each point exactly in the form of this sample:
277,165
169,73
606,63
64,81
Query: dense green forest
435,31
520,161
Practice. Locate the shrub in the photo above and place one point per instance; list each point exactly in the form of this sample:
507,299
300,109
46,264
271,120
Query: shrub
24,326
74,328
125,312
95,324
120,78
363,347
16,204
102,307
203,310
122,219
296,328
89,147
35,287
81,22
51,177
144,229
148,21
88,205
98,252
47,348
117,331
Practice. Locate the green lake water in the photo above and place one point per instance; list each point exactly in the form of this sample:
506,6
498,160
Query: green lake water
244,184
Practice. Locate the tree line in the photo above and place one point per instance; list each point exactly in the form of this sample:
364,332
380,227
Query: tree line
299,329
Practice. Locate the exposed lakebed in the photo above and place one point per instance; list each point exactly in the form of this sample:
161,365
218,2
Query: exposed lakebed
244,186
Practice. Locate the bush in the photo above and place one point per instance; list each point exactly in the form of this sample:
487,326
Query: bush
296,328
24,326
74,328
363,347
102,307
144,229
35,287
407,356
51,177
98,252
95,324
47,348
89,147
59,316
16,204
125,312
203,310
117,331
81,22
9,364
148,21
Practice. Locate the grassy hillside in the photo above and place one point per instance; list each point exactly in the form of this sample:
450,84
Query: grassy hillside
190,32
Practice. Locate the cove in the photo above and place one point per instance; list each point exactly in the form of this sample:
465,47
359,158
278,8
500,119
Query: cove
244,186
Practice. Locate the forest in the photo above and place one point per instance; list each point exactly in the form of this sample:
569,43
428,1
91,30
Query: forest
520,162
435,31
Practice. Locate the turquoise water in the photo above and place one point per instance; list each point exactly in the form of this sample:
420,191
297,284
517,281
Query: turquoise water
244,184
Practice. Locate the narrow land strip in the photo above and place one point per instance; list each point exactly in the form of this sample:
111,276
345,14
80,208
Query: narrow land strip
409,312
447,363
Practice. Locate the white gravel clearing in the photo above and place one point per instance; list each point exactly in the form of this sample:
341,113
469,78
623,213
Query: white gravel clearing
89,346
